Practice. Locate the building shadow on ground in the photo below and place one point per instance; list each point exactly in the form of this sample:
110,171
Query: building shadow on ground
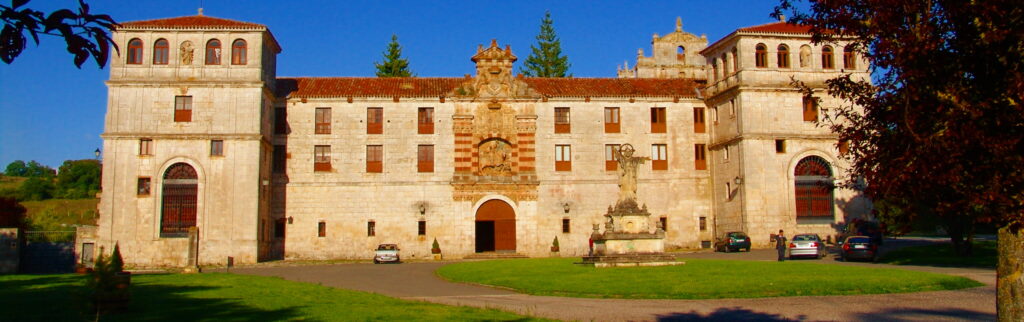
726,314
925,314
65,298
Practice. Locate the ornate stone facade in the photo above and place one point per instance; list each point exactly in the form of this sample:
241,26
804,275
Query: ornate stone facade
329,167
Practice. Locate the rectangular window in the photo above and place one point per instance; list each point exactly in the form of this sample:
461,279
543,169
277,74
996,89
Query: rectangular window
280,159
371,228
425,124
780,146
664,223
425,158
732,108
143,188
657,120
374,120
374,158
565,225
714,115
700,157
611,120
322,120
844,147
810,109
698,120
703,223
183,108
322,158
563,158
217,148
421,228
280,120
725,153
610,162
728,191
659,157
321,229
146,147
562,120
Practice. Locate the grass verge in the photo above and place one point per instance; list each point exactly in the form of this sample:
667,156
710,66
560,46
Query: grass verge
219,297
698,279
985,255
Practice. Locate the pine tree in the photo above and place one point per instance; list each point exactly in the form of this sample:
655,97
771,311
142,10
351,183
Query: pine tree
546,59
394,65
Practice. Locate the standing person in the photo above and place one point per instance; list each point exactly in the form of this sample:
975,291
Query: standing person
780,245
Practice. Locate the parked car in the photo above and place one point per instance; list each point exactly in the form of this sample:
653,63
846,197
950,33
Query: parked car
733,241
386,253
859,247
806,245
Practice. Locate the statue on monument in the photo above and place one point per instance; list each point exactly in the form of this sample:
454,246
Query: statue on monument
627,172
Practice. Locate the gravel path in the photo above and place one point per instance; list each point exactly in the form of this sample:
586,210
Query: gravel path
417,281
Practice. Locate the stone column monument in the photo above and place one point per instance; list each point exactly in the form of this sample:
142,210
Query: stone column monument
628,239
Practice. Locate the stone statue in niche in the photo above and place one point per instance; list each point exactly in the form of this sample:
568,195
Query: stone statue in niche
495,158
186,52
627,172
805,56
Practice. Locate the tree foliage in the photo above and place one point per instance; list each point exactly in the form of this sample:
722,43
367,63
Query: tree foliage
19,168
942,126
84,33
36,188
78,179
393,65
546,59
12,213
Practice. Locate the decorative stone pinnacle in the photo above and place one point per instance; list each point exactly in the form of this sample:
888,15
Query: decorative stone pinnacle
200,11
679,24
494,42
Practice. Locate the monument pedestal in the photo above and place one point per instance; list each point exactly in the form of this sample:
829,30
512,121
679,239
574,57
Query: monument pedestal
628,240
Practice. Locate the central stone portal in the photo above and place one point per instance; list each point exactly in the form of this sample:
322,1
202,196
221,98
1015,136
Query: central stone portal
628,239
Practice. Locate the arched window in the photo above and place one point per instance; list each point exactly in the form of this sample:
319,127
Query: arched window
213,52
714,70
783,56
826,58
849,60
238,53
725,65
813,176
761,56
179,204
681,53
160,51
135,51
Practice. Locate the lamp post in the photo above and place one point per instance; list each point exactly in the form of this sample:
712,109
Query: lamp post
97,152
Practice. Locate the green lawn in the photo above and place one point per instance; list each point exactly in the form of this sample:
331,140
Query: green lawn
219,297
985,255
698,279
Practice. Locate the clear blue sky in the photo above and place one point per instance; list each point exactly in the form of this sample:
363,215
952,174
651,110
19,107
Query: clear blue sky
50,111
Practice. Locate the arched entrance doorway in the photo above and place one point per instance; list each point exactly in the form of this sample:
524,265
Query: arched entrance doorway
178,209
495,227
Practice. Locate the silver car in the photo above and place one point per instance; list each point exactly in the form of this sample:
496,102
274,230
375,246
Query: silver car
806,245
386,253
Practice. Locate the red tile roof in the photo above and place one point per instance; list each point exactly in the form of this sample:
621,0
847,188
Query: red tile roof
778,27
314,87
192,22
613,87
366,86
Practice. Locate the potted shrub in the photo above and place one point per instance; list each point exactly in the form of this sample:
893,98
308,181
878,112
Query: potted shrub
554,245
436,250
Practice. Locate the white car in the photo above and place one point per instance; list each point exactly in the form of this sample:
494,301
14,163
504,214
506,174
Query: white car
386,253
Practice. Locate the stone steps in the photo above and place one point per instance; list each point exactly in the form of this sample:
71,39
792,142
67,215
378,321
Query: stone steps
490,255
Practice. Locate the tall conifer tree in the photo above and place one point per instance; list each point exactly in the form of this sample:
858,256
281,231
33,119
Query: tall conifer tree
393,65
546,59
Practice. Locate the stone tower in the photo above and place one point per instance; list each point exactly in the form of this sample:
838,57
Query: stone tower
186,173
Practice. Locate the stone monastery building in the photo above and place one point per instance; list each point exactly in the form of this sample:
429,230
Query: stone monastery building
210,154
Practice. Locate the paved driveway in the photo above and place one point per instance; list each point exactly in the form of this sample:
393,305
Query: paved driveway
417,281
